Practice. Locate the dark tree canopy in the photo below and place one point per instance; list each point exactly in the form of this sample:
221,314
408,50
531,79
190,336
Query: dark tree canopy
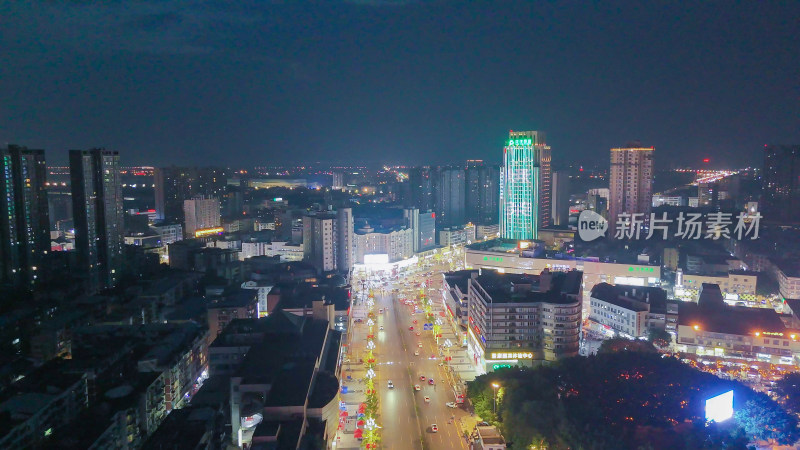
620,399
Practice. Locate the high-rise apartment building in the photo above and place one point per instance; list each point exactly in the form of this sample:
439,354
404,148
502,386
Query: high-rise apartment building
345,252
630,184
781,184
337,182
482,184
560,186
98,215
423,228
449,192
201,213
525,186
421,181
24,223
319,241
174,185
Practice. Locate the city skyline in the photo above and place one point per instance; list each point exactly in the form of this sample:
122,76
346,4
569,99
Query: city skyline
247,80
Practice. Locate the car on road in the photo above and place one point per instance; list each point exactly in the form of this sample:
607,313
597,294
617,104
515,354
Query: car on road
416,352
430,381
411,328
419,345
422,378
434,428
381,328
418,333
450,404
415,322
432,357
391,385
427,399
417,387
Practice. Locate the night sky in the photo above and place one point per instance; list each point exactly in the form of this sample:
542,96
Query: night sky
257,82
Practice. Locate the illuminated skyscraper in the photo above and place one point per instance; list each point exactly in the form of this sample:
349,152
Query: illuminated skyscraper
24,224
630,183
525,186
97,210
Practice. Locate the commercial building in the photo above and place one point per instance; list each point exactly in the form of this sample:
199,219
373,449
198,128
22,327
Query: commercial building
561,188
519,319
286,383
423,228
631,311
396,243
169,233
449,192
287,251
630,184
98,215
201,213
508,257
483,191
669,200
525,203
457,235
735,285
710,327
455,292
484,232
24,216
787,272
780,202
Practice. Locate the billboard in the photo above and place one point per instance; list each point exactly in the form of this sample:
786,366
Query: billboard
380,258
720,407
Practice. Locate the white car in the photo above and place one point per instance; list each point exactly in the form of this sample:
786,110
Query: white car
391,385
417,387
381,328
427,399
434,428
416,352
450,404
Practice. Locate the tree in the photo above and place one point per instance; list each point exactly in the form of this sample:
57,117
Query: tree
788,389
764,420
659,337
617,345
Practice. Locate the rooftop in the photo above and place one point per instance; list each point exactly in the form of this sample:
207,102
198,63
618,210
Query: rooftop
525,288
634,298
730,320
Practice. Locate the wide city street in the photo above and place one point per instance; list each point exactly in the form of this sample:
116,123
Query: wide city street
419,410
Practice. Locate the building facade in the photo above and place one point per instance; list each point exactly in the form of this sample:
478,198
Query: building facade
24,220
98,215
520,319
421,184
525,202
345,251
319,241
482,184
201,213
561,187
396,243
449,197
781,184
630,183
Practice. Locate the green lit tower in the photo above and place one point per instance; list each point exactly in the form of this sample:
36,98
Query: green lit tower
525,186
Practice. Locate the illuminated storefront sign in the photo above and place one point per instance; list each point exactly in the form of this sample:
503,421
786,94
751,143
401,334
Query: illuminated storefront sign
640,269
493,258
512,355
771,333
208,231
501,366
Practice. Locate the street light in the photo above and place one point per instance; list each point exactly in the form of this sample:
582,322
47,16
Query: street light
495,386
